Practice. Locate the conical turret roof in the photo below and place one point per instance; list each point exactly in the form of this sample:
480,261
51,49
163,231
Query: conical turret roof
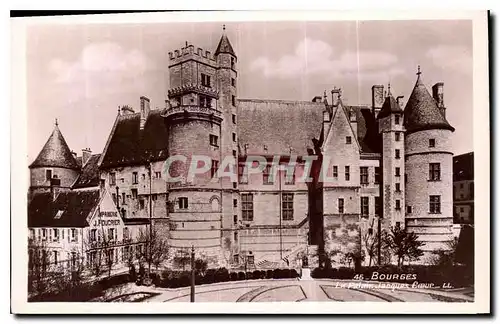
224,45
55,153
421,111
390,106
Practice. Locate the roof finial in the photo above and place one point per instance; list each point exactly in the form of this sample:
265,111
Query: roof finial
224,27
186,43
389,89
57,124
418,73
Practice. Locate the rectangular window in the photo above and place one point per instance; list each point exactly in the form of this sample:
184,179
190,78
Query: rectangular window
235,237
242,175
398,171
93,235
232,63
434,172
247,207
335,171
432,142
141,203
398,187
56,235
214,167
266,175
214,140
233,101
48,174
134,193
234,118
111,234
363,175
377,175
287,206
183,203
234,153
158,175
435,204
56,257
74,236
236,258
378,206
134,178
396,119
397,136
398,154
112,178
398,204
235,219
205,80
365,209
290,176
235,203
341,205
347,174
348,139
233,82
406,178
154,197
234,137
124,199
408,209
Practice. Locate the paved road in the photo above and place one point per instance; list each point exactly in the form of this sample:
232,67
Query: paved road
291,290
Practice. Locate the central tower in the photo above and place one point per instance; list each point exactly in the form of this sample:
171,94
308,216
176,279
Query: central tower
201,116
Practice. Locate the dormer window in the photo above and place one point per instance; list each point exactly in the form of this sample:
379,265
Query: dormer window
396,119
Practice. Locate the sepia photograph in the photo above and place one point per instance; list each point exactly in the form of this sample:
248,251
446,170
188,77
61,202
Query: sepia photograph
229,158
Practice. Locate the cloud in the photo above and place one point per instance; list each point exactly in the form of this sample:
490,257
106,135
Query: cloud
316,57
458,58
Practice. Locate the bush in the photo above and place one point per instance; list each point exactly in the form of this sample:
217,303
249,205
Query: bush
233,276
269,274
221,275
241,275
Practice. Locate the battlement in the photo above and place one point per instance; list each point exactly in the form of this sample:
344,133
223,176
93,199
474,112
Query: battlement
188,52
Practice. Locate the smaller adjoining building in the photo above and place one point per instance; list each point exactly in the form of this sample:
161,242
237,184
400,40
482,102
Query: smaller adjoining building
463,188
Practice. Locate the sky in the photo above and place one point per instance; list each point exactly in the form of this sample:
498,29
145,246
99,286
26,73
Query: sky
81,73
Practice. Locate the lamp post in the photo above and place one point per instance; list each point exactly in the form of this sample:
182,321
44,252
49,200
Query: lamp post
192,274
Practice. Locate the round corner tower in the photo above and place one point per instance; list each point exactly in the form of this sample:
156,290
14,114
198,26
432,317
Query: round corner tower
200,127
429,167
55,165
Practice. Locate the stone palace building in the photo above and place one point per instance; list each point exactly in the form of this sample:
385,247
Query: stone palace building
384,163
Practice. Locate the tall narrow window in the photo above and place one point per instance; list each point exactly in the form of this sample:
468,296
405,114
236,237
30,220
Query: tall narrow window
398,154
408,209
235,203
290,176
365,206
213,169
233,82
233,101
335,171
397,136
348,139
183,203
347,173
232,63
377,175
434,171
124,201
398,171
247,207
266,175
234,137
287,206
435,204
378,206
396,119
134,178
112,178
158,174
363,175
141,204
48,174
398,204
398,187
214,140
341,205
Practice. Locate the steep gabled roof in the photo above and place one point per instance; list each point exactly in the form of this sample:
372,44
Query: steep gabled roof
224,46
367,129
89,177
55,153
390,106
73,208
463,167
129,145
421,111
279,126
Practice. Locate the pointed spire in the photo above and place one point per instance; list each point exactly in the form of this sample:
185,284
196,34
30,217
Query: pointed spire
224,44
57,124
55,152
418,74
389,90
224,28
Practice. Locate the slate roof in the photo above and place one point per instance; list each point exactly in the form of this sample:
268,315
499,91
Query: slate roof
76,206
129,145
368,135
89,177
421,111
55,153
224,46
390,106
279,125
463,167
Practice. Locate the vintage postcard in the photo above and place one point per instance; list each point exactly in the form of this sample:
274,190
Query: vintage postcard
243,162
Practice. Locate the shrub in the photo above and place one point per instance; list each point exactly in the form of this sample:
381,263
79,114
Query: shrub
269,274
233,276
241,275
221,275
294,273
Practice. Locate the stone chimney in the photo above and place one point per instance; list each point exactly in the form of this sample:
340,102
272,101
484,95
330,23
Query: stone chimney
127,110
326,122
144,111
55,186
399,101
377,98
437,94
86,154
335,96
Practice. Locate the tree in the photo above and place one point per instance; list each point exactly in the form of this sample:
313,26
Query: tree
155,250
370,243
404,244
38,266
100,250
